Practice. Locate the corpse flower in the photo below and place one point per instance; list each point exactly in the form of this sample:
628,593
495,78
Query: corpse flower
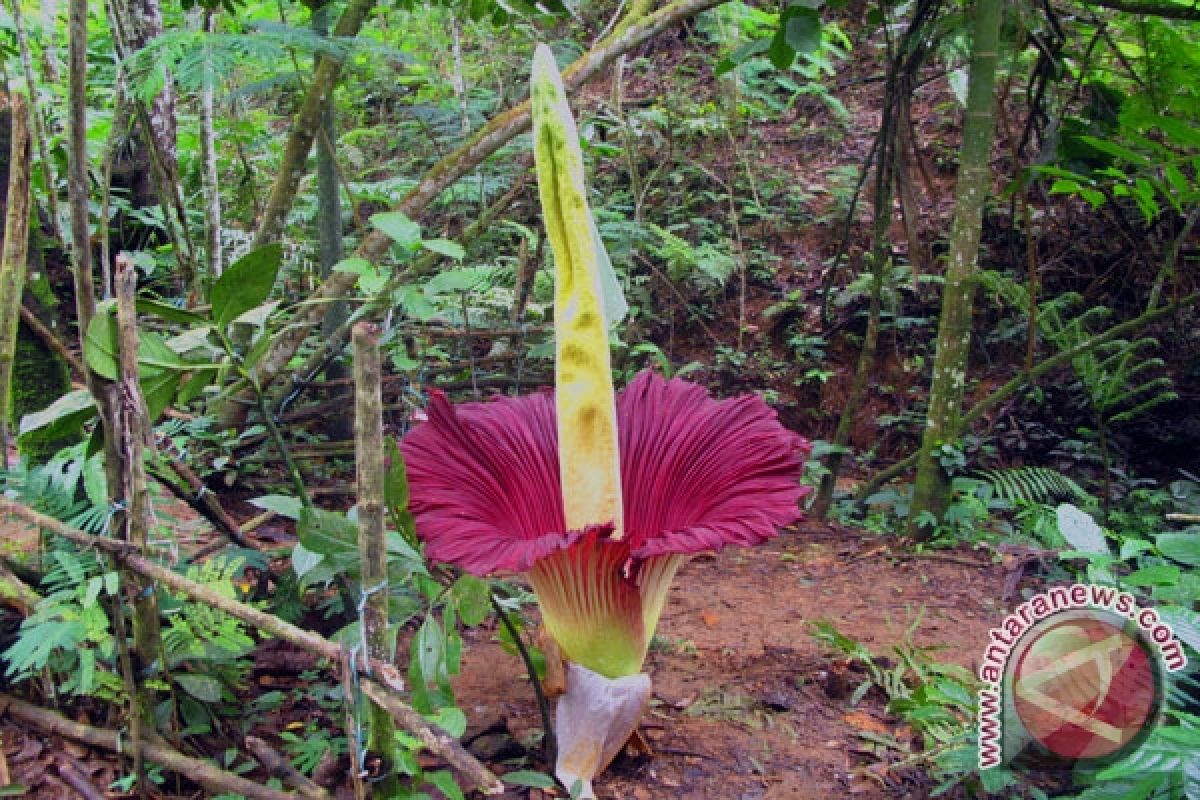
600,498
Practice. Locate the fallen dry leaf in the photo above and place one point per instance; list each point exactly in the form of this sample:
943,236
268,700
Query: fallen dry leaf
864,722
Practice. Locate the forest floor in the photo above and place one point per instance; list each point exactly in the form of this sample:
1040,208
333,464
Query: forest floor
747,703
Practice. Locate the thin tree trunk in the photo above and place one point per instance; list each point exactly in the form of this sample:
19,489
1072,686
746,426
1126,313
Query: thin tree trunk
502,129
329,238
35,118
372,544
105,393
50,66
305,128
212,185
77,175
906,60
931,491
15,253
134,27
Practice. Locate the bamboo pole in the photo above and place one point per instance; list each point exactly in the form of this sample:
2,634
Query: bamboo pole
375,686
372,542
202,772
15,252
138,516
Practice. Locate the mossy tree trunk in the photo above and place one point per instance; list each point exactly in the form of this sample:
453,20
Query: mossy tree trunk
931,491
15,252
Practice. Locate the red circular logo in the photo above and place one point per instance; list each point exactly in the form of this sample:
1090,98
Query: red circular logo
1084,687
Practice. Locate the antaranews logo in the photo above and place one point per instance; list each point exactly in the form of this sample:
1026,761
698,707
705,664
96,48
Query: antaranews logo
1074,673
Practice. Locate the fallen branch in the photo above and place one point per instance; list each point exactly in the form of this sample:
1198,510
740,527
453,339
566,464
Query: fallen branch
15,593
279,767
438,741
202,772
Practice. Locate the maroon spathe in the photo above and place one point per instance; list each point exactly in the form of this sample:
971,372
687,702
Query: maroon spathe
697,474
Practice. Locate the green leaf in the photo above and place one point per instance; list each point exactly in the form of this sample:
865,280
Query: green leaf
781,54
1156,575
802,29
399,228
1080,530
204,688
329,533
282,505
444,782
395,491
527,777
63,417
742,54
473,597
100,342
371,278
445,247
304,560
245,284
170,313
1181,547
463,279
450,719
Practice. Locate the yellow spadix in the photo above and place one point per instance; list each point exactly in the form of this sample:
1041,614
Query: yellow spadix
587,301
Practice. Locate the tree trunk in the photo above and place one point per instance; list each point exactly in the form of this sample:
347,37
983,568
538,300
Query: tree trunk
931,490
502,129
35,119
906,60
305,127
339,426
15,251
212,185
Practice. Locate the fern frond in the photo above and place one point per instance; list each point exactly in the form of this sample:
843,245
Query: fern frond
1033,485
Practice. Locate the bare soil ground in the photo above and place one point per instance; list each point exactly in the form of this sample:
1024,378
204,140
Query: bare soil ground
746,703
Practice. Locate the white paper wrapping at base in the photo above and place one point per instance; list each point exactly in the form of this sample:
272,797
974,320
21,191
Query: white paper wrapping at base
593,720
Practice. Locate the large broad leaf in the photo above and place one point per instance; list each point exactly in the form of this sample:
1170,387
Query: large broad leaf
801,28
204,688
102,353
399,228
1181,547
1080,530
100,342
170,313
61,418
246,284
326,532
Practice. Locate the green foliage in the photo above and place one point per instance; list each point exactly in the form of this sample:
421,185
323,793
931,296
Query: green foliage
1033,485
939,701
1121,381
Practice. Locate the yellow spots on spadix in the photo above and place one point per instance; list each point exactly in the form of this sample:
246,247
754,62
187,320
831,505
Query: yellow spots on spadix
589,464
